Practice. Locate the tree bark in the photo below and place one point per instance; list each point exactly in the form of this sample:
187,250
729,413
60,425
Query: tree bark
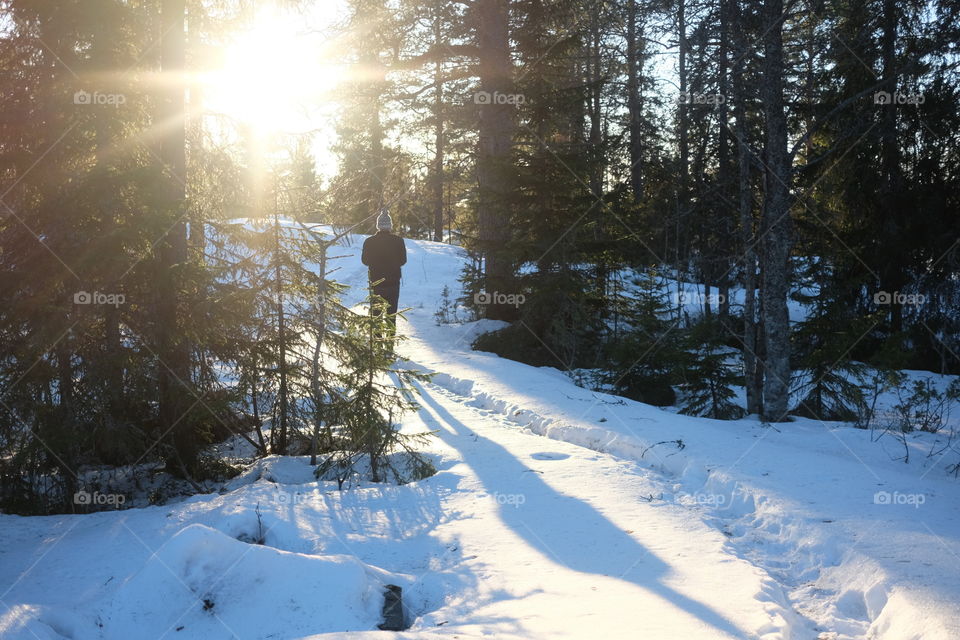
438,114
891,274
777,231
494,149
683,149
283,390
682,133
724,205
174,369
750,360
634,69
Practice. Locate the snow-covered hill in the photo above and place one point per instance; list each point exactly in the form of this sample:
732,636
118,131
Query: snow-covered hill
556,512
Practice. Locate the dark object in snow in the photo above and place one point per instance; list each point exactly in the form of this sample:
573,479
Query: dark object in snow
392,610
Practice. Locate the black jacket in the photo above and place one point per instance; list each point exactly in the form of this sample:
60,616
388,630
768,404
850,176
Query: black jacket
384,254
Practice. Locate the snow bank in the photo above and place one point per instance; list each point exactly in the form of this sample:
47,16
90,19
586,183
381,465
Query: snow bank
206,584
279,469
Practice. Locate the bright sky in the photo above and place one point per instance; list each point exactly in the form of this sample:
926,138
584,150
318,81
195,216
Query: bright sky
278,76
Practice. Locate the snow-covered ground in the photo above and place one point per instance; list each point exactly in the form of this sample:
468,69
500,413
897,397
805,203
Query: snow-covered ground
556,512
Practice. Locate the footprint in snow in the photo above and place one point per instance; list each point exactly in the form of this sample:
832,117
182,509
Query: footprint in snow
549,456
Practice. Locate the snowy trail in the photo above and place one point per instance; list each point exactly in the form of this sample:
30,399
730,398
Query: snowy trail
864,545
800,503
567,544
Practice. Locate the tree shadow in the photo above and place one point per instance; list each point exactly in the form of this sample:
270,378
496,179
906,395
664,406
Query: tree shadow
560,526
394,527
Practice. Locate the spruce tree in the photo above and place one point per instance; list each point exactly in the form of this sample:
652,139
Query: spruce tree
708,377
373,390
644,355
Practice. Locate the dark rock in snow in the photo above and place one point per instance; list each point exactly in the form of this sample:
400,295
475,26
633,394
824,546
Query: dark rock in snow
392,609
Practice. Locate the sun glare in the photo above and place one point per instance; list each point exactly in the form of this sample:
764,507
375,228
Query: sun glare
273,76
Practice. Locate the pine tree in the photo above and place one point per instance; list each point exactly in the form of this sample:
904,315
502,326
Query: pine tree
373,391
708,377
644,355
827,382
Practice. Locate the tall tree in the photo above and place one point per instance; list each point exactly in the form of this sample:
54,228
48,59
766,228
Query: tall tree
494,147
776,218
751,362
634,58
174,350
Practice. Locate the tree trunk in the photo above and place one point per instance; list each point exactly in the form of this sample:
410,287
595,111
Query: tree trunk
891,274
372,90
66,415
104,132
494,148
777,238
683,147
283,393
724,205
594,106
316,390
634,62
747,236
682,134
594,75
174,368
438,114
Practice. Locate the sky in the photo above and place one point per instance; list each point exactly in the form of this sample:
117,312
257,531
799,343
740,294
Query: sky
279,76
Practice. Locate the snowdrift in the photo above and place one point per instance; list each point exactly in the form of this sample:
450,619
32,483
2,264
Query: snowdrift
206,584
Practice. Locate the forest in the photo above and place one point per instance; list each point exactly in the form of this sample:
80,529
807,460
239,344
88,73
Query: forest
168,249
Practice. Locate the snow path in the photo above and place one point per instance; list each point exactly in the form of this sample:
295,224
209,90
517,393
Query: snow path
566,544
799,503
865,545
585,552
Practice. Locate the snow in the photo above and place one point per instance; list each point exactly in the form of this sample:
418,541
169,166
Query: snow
556,512
215,585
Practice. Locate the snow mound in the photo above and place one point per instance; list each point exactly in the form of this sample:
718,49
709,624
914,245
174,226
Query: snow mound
279,469
208,585
38,622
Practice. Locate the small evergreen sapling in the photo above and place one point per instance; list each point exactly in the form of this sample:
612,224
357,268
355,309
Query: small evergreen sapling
643,356
375,389
447,310
708,379
826,378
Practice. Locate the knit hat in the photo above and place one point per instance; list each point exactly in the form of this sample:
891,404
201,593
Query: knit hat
384,221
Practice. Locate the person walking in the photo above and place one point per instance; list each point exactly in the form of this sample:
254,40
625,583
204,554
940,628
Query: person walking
383,254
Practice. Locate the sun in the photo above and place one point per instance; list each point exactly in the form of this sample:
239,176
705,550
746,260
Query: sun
274,76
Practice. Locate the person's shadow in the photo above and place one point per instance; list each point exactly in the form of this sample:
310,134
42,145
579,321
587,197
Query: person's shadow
559,526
